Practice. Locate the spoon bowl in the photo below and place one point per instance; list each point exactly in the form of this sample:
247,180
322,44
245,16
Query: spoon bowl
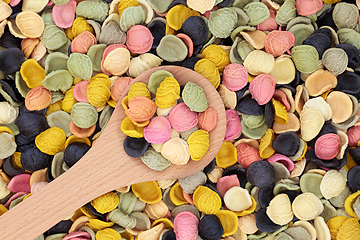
106,167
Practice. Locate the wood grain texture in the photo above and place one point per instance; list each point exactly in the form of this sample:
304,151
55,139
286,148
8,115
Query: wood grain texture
104,168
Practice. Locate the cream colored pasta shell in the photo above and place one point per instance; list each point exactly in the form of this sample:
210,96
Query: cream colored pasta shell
237,199
215,174
114,6
157,147
176,150
3,188
332,184
8,145
201,6
8,113
148,10
247,224
34,6
96,26
229,97
279,209
163,184
156,210
283,71
319,104
123,189
258,62
322,230
344,141
14,30
307,206
142,63
301,97
311,122
2,27
117,61
153,233
5,10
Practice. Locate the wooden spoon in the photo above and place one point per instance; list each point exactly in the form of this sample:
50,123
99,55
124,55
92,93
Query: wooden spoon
104,168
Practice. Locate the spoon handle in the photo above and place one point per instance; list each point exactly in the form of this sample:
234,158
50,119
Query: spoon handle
102,169
51,204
